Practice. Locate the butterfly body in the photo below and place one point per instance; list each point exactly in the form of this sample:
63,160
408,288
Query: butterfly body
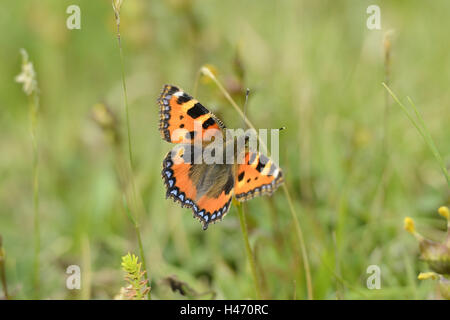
205,187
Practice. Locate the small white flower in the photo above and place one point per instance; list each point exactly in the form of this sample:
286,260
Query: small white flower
28,76
116,4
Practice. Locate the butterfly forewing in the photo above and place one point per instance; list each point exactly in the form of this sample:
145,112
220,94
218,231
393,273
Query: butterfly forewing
182,118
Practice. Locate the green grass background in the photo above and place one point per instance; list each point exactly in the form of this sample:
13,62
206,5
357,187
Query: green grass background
312,66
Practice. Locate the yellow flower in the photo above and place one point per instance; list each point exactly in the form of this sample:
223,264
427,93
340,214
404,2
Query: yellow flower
428,275
409,225
443,211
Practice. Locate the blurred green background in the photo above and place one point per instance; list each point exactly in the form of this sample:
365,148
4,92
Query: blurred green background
353,170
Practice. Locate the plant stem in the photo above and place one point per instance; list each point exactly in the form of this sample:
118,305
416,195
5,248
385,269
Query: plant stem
86,265
125,97
141,252
130,153
33,106
387,76
298,229
248,249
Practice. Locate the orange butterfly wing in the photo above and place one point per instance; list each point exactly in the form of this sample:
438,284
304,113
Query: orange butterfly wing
198,186
182,118
257,176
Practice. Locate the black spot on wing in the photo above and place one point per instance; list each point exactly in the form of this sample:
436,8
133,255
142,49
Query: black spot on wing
172,90
184,98
197,110
208,123
241,176
260,166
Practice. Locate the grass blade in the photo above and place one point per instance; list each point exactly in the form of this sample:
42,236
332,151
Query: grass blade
419,124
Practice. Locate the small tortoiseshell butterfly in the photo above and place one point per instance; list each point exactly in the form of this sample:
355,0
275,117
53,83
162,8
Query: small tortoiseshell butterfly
207,188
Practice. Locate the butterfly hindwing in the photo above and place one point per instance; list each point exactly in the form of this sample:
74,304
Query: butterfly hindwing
258,175
207,189
182,118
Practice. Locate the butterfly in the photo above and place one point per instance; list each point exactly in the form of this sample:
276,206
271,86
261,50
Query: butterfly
207,188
